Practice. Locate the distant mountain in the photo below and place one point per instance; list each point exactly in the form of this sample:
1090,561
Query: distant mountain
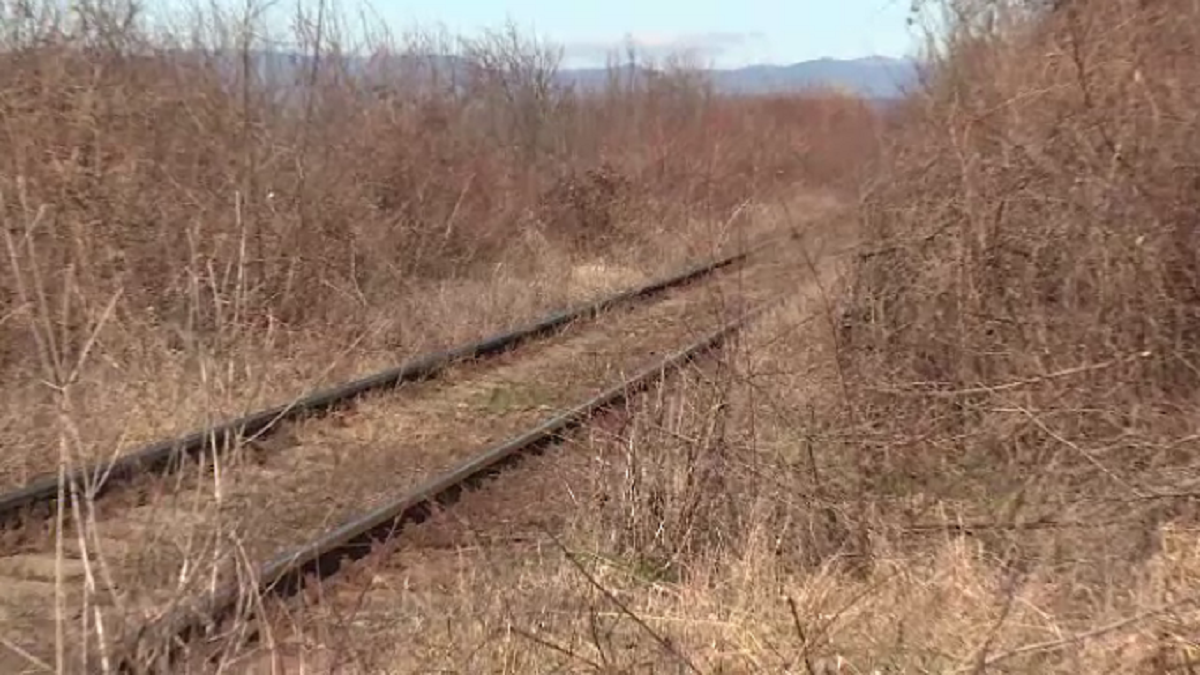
874,77
871,77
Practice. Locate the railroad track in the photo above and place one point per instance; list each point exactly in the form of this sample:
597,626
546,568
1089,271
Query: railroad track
167,454
147,570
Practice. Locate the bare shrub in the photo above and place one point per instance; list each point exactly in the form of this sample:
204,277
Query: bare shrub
196,221
197,170
1030,270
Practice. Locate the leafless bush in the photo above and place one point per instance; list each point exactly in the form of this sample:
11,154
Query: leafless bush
245,193
202,215
1019,334
213,182
1029,270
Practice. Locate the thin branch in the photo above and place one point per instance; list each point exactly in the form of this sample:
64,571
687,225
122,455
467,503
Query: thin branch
1055,645
925,389
662,641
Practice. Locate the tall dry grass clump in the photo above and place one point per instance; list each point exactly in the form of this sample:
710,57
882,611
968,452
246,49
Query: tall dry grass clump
1028,291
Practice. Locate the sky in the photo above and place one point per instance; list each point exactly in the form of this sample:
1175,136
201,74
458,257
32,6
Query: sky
723,33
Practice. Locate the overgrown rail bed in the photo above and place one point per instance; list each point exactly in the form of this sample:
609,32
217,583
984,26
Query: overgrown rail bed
193,539
325,556
171,453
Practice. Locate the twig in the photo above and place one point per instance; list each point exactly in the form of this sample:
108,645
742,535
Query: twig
662,641
1053,645
800,633
979,659
916,389
1042,524
556,647
1079,449
16,649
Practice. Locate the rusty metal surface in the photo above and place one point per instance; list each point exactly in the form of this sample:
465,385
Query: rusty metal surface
323,556
166,455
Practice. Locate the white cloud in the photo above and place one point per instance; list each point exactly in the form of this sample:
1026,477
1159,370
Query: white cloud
704,46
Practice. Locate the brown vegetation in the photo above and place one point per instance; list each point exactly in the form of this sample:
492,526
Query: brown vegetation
1026,304
975,454
1020,330
174,209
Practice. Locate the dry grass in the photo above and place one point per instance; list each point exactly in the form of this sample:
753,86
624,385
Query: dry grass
720,525
1022,326
975,452
972,449
189,236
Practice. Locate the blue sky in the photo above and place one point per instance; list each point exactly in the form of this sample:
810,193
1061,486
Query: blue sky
725,33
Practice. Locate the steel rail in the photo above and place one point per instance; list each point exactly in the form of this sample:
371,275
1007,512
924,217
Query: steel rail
323,556
165,455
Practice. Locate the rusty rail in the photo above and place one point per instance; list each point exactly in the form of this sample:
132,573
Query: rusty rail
354,539
166,455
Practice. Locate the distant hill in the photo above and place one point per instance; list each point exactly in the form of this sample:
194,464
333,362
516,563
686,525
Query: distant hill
871,77
874,77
